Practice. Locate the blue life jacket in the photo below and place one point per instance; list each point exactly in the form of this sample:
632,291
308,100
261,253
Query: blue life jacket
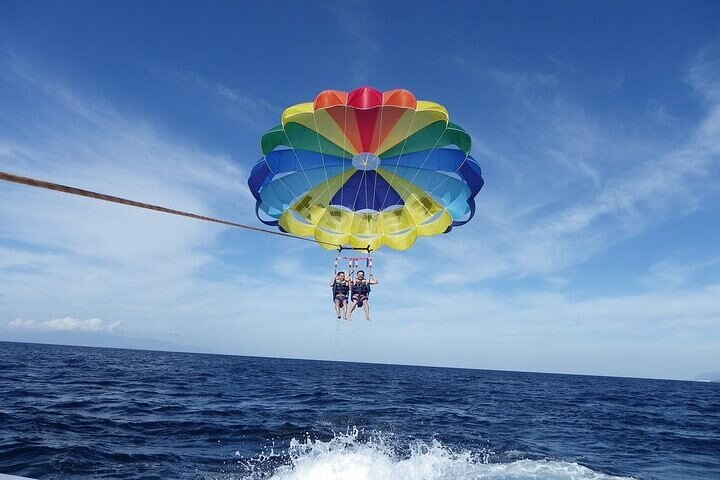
361,288
340,288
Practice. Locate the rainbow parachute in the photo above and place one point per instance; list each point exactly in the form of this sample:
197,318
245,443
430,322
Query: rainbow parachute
366,168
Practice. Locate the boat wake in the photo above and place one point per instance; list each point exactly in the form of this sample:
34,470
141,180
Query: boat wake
347,457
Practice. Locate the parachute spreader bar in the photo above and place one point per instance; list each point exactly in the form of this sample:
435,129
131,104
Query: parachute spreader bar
357,249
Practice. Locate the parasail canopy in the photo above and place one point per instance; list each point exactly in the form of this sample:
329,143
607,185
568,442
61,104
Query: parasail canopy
366,168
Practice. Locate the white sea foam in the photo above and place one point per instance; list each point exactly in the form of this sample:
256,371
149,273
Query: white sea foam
345,457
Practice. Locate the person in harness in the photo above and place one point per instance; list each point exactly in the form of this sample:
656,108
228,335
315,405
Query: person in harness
361,292
340,290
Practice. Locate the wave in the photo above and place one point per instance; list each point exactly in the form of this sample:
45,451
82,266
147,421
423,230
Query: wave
347,457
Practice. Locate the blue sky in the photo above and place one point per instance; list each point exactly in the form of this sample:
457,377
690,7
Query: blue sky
596,247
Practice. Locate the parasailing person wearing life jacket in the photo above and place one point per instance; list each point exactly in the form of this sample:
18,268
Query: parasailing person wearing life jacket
360,289
340,290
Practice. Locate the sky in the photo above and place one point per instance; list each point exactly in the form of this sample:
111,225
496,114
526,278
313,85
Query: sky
595,248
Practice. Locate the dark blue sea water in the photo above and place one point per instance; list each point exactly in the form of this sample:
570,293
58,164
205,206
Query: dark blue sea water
73,412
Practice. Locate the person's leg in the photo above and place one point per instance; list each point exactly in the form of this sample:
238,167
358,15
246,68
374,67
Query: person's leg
352,308
366,308
337,307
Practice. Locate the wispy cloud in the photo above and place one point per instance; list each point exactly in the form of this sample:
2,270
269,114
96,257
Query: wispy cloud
66,324
90,145
704,74
670,274
362,47
521,81
86,255
251,110
548,330
604,186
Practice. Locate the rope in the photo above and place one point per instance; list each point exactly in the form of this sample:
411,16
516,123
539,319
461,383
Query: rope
32,182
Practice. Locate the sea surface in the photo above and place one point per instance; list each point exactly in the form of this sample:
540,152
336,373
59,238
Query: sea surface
77,412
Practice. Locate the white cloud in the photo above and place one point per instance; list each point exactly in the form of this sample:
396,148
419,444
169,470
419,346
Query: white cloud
96,148
519,81
362,48
571,185
250,110
672,273
544,330
67,324
704,74
64,253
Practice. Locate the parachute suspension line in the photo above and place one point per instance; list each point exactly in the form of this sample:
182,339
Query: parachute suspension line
354,212
342,173
354,265
309,185
394,173
282,181
447,178
32,182
379,136
357,194
322,157
402,151
292,147
419,169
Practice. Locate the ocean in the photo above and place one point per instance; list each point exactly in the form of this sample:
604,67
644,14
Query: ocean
77,412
